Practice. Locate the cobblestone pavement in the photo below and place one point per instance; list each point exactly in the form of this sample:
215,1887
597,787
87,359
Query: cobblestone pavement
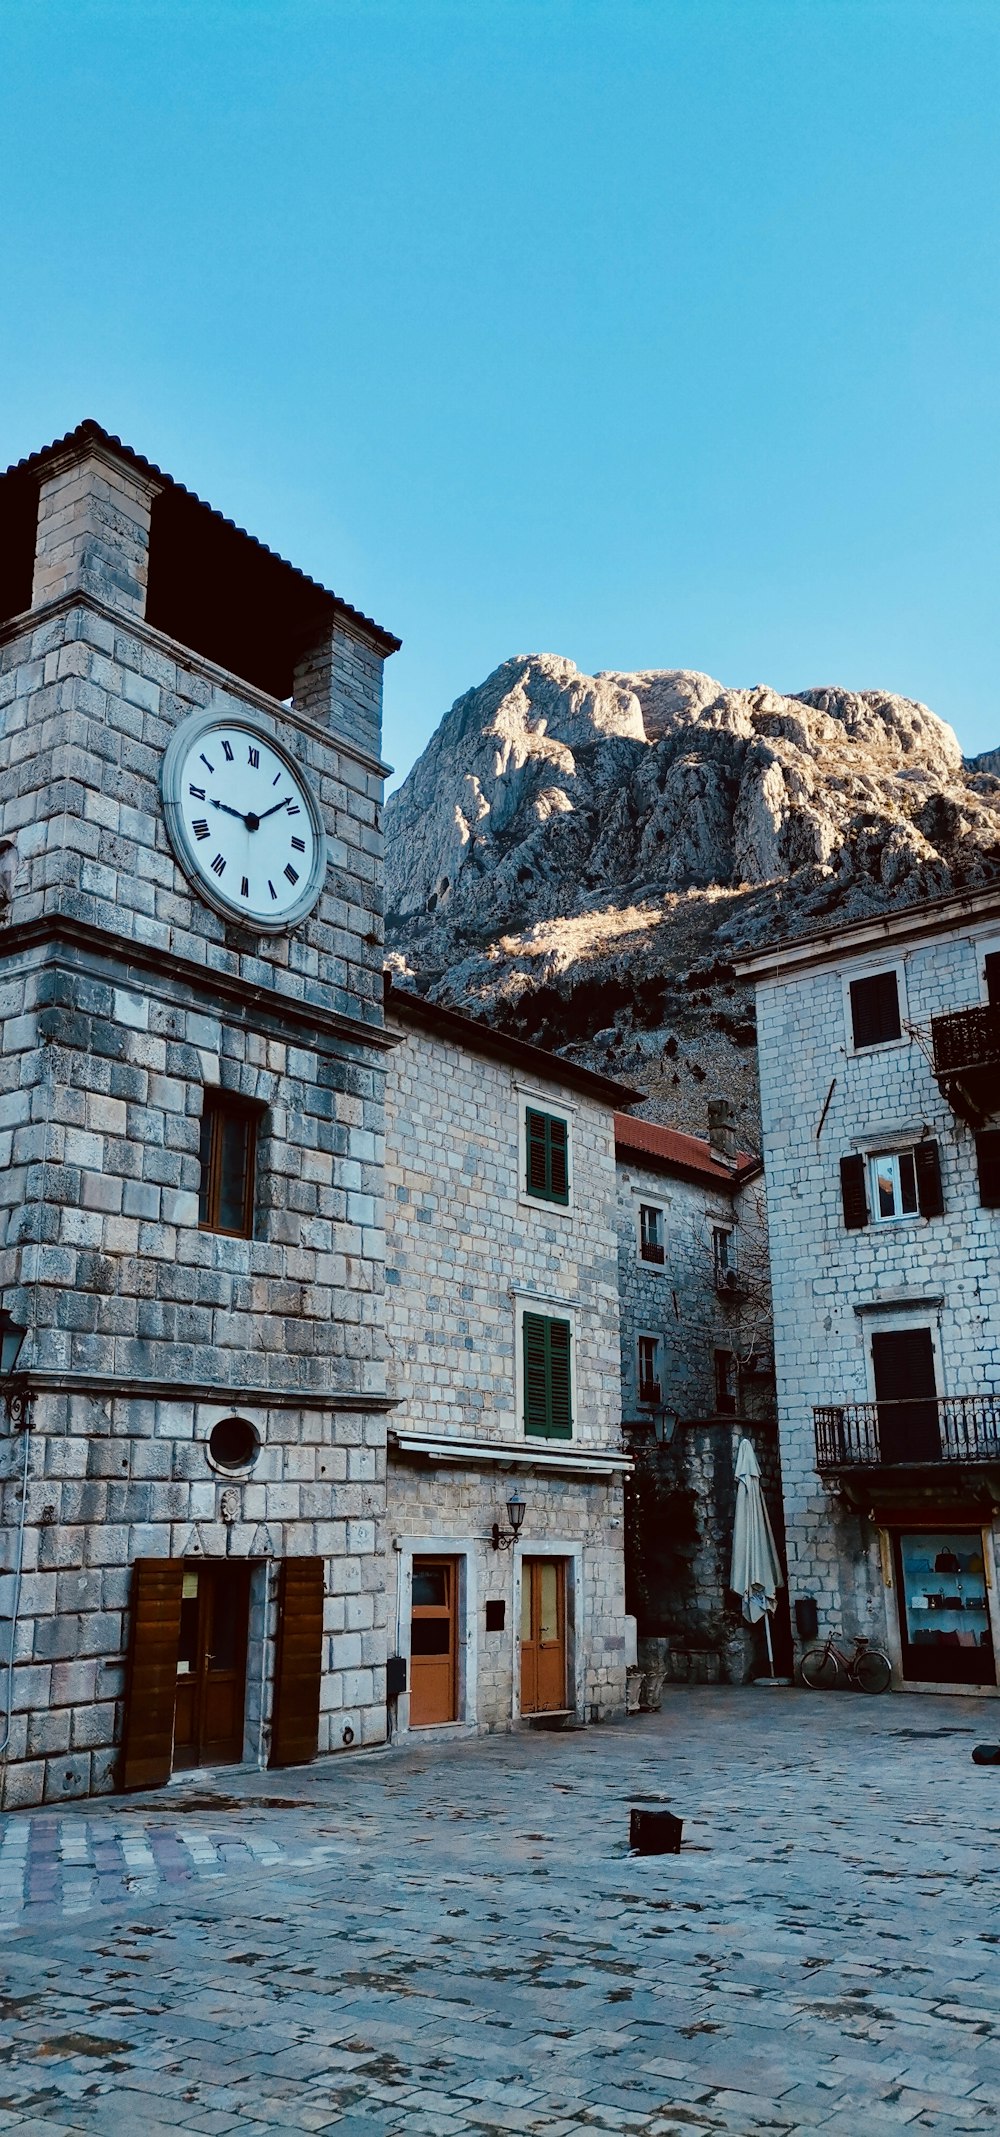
457,1938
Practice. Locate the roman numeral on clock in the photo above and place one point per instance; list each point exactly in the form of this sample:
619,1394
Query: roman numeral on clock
200,828
298,845
205,762
218,865
197,793
253,757
293,809
292,873
244,888
227,752
271,888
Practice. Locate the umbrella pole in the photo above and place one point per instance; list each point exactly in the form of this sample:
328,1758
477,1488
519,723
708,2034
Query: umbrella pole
767,1630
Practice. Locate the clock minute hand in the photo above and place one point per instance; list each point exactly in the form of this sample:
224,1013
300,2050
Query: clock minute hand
241,813
275,807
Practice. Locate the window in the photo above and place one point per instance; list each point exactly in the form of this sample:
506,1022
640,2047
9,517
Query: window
893,1186
649,1369
726,1384
651,1231
875,1009
547,1348
546,1140
988,1163
228,1165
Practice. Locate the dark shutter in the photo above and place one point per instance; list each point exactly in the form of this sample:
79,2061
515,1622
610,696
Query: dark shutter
988,1161
908,1430
875,1009
852,1188
992,971
298,1665
547,1141
560,1408
558,1161
151,1685
927,1166
548,1412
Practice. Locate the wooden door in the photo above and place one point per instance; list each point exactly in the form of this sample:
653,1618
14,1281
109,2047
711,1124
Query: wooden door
543,1636
298,1665
433,1641
905,1390
154,1637
211,1665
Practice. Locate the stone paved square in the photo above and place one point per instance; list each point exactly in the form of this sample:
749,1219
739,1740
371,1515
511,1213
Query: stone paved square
456,1937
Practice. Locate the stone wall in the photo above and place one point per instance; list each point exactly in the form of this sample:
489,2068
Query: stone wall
678,1302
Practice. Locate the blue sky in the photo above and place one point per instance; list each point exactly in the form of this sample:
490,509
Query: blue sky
656,333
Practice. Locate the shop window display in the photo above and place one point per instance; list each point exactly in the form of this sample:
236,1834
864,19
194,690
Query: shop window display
944,1608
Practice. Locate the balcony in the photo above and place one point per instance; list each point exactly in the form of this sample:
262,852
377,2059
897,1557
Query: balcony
966,1047
945,1449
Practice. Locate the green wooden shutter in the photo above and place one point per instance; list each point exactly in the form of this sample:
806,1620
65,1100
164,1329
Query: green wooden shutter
547,1156
548,1411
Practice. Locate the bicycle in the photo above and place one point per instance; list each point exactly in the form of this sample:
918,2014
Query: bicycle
868,1668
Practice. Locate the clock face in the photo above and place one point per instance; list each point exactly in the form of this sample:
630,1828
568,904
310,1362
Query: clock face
244,821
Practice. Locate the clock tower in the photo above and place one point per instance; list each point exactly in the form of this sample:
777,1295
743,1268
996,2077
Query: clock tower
192,1410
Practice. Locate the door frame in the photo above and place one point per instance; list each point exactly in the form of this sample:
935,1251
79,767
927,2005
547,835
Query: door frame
894,1602
463,1551
572,1556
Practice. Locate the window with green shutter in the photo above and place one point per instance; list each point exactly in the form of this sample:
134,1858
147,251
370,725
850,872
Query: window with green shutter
546,1140
548,1410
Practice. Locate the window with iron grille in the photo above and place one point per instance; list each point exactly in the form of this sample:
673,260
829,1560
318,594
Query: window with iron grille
228,1154
548,1409
546,1141
651,1233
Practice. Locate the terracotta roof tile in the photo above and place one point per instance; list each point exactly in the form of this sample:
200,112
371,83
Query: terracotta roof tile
669,1150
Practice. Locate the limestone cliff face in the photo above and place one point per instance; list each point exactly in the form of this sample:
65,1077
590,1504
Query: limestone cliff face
578,856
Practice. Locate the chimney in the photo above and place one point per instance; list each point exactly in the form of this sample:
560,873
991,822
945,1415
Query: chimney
722,1130
93,526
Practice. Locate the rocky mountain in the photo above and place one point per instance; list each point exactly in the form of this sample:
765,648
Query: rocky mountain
578,857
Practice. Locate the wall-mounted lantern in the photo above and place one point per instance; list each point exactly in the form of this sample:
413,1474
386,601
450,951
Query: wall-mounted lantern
12,1336
665,1423
516,1509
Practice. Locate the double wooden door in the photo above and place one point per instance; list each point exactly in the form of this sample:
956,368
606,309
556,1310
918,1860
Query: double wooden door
543,1636
908,1428
211,1665
434,1642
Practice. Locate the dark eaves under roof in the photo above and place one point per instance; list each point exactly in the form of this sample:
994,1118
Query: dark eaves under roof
32,467
405,1007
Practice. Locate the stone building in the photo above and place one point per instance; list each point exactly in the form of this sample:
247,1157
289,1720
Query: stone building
880,1083
191,1119
503,1332
697,1378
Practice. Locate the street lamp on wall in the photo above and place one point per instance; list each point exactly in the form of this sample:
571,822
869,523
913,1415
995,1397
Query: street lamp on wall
12,1336
516,1509
665,1423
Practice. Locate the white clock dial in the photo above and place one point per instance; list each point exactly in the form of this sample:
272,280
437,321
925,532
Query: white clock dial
244,821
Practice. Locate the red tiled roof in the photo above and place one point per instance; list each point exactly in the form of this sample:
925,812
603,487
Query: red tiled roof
668,1150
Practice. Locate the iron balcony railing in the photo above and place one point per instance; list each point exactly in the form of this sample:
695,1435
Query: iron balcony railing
943,1428
966,1039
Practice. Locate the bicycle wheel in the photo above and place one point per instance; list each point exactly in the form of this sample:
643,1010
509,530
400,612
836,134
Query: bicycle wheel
820,1669
872,1670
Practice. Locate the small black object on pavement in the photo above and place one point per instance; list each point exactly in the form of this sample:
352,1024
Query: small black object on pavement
655,1832
986,1755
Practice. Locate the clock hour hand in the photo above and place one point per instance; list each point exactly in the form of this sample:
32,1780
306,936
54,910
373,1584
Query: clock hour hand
241,813
275,806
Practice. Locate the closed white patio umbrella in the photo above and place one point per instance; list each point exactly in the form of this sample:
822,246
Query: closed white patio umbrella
755,1575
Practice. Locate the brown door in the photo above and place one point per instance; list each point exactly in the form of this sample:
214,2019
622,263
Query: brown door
908,1428
543,1636
211,1666
433,1641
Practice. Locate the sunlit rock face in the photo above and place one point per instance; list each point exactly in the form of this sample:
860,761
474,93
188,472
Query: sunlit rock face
550,808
